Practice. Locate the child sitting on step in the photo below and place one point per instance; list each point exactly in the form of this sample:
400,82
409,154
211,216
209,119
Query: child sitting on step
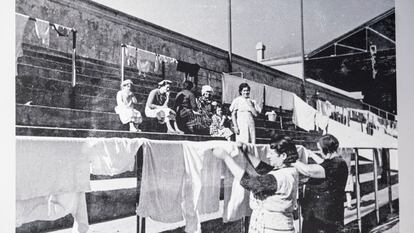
125,100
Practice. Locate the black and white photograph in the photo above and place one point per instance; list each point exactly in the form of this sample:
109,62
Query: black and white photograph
235,116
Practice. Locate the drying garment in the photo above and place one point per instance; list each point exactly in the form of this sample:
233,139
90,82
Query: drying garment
21,22
111,156
201,192
287,100
163,173
131,55
61,30
144,61
168,60
52,176
42,31
273,96
52,207
230,89
321,121
157,63
325,107
188,68
303,114
50,165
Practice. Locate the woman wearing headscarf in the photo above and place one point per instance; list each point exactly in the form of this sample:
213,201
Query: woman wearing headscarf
323,202
243,110
157,106
126,100
206,107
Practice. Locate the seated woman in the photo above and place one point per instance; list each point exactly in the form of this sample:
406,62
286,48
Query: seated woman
157,106
243,110
323,204
125,100
205,106
274,190
220,124
186,106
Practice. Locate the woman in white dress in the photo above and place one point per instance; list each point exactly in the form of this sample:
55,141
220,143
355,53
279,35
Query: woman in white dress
243,110
125,100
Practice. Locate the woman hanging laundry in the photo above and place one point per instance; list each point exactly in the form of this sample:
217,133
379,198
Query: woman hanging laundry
125,100
274,190
243,110
157,106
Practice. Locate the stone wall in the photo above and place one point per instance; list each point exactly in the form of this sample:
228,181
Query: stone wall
101,30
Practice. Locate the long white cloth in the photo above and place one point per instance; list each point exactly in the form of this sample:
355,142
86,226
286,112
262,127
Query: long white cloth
273,96
52,176
111,156
303,114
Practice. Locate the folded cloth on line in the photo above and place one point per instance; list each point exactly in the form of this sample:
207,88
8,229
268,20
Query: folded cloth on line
50,165
52,207
111,156
42,31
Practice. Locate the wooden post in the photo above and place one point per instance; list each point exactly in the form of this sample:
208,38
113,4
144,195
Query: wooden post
122,61
389,185
375,154
358,191
73,57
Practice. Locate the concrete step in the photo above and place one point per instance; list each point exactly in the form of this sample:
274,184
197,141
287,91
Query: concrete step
23,130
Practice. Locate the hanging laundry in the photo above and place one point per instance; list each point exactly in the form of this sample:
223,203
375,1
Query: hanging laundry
157,63
273,96
52,207
111,156
48,165
61,30
144,61
188,68
131,55
287,100
167,60
42,31
303,114
21,22
162,181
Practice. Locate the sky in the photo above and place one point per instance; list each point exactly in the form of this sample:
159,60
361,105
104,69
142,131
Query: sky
276,23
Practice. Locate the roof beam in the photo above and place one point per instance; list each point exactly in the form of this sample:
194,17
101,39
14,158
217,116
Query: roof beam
381,35
351,47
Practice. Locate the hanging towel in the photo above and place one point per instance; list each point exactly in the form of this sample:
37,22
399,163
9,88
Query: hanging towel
131,55
111,156
287,100
231,89
61,30
321,121
188,68
52,207
50,165
21,22
162,180
157,63
303,114
42,31
144,61
273,96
